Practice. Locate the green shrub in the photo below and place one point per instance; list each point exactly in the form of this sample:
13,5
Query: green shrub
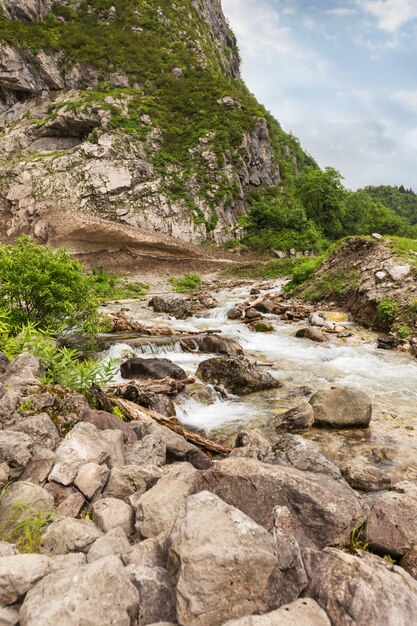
403,332
108,286
46,288
332,285
301,273
386,311
190,282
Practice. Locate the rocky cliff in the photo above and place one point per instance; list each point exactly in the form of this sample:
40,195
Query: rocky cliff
131,113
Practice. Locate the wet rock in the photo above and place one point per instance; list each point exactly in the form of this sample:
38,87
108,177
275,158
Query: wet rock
82,445
114,542
107,421
98,593
391,525
41,429
91,479
125,481
266,306
18,573
231,556
387,343
251,314
341,407
148,451
409,562
303,612
325,510
177,306
15,450
311,333
360,590
69,535
367,478
317,320
299,419
21,501
110,513
156,593
235,314
219,345
237,374
151,368
159,507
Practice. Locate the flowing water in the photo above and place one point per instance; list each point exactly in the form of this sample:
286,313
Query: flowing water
390,378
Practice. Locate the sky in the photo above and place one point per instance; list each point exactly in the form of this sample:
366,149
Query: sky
341,76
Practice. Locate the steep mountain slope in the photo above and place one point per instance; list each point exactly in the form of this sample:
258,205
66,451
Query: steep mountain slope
130,111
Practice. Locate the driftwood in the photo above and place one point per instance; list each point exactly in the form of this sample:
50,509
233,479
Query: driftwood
134,412
166,386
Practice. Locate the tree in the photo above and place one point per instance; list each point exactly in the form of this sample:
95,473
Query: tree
49,289
323,197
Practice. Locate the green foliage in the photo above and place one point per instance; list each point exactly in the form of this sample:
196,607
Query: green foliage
402,201
262,327
189,282
332,285
47,288
119,413
108,286
25,405
386,311
263,270
356,543
403,332
22,525
301,273
61,365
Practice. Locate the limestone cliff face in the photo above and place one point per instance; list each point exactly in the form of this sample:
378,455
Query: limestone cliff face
158,133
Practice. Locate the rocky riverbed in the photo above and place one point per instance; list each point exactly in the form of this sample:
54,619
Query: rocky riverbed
306,515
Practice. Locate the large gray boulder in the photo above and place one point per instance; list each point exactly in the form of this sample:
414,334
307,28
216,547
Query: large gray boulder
368,478
18,573
98,593
114,542
15,450
110,513
391,526
91,479
299,419
21,501
127,480
312,333
41,429
360,591
325,510
107,421
69,535
223,562
156,593
237,374
158,508
303,612
148,451
341,407
82,445
175,305
220,345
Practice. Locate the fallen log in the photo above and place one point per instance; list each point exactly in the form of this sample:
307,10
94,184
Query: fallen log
135,412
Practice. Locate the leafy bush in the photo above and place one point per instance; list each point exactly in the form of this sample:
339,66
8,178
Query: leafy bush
61,365
386,311
108,286
301,273
43,287
403,332
189,282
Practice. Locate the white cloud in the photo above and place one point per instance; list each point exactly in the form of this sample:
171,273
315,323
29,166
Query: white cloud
390,14
341,12
407,98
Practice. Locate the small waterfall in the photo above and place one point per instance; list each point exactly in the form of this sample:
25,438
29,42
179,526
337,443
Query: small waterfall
151,349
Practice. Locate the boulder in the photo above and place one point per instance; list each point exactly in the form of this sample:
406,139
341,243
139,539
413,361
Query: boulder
9,616
232,558
82,445
112,441
299,419
151,552
28,10
156,593
40,465
235,314
64,561
317,320
71,506
391,525
303,612
15,450
159,507
21,501
175,305
237,374
41,429
125,481
311,333
4,361
107,421
220,345
7,549
98,593
266,306
69,535
148,451
341,407
91,479
178,448
18,573
114,542
368,478
360,590
399,272
151,368
252,314
110,513
409,562
325,510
